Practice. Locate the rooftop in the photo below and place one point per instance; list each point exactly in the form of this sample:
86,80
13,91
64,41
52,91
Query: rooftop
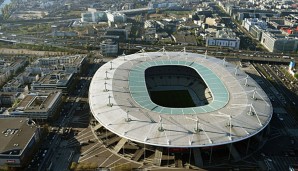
15,134
237,100
226,33
55,77
38,102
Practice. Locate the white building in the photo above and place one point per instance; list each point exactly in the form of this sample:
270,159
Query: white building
94,16
249,22
68,63
116,17
54,80
224,38
279,42
109,47
15,85
149,24
41,105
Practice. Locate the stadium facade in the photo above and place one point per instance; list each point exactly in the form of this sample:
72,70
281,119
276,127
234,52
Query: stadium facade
220,115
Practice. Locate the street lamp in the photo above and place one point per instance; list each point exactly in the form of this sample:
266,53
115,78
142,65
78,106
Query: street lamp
110,104
106,75
105,87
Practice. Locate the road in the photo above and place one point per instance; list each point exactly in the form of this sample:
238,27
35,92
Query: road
286,97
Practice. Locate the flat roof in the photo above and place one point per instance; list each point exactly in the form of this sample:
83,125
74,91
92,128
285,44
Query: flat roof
38,102
242,102
15,134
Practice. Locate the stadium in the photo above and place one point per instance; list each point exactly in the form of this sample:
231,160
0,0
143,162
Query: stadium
177,108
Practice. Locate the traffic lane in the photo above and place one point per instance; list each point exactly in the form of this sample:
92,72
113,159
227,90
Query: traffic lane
61,159
268,87
280,92
290,97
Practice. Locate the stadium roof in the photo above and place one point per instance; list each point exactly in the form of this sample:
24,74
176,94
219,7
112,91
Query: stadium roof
139,92
120,102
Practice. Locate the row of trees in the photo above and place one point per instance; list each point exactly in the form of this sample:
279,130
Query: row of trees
8,9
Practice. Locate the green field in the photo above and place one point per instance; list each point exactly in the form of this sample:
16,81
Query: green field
172,98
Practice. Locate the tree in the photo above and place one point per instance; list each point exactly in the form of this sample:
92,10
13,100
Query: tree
138,18
73,166
157,11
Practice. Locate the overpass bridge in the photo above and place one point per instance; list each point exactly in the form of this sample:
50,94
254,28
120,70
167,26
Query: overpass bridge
136,11
8,41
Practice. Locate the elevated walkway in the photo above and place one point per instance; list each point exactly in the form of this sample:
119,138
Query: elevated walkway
138,154
105,135
131,147
112,141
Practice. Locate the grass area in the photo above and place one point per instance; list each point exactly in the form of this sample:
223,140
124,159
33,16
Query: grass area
41,47
177,12
29,29
38,47
265,73
172,98
73,13
287,74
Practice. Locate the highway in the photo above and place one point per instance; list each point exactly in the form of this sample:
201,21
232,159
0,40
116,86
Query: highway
78,42
284,95
221,53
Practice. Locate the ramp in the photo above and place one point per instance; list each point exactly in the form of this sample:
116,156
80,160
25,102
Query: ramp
112,140
105,135
138,154
97,127
131,147
120,144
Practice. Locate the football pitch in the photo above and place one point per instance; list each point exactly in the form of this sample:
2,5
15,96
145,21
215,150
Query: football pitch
172,98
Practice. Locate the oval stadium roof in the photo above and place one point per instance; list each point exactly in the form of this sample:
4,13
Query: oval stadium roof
119,100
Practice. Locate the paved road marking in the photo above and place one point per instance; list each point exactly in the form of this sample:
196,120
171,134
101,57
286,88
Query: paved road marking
114,162
92,156
91,148
106,159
